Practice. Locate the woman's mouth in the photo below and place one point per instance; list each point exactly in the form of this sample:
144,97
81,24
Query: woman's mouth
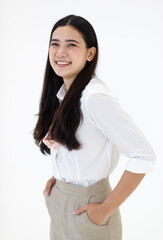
62,63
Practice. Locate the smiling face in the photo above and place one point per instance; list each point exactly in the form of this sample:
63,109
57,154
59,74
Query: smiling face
68,53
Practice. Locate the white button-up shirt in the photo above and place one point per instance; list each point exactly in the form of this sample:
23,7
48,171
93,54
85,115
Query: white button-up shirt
106,132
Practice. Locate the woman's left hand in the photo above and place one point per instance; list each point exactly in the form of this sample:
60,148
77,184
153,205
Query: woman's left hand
95,212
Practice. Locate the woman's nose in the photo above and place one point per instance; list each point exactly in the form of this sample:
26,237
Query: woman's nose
61,52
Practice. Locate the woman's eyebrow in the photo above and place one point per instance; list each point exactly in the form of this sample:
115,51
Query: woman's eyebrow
67,40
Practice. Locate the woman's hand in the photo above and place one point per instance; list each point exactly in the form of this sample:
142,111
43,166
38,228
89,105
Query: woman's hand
49,185
50,143
95,212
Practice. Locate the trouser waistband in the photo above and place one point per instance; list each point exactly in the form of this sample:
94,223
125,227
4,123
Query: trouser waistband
96,188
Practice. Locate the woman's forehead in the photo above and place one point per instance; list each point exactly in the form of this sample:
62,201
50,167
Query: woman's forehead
66,32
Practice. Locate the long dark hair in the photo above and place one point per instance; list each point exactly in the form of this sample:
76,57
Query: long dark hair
62,120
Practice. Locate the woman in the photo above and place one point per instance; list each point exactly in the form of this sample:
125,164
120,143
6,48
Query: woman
84,129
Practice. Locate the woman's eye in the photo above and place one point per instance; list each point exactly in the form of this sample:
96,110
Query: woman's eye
71,45
54,44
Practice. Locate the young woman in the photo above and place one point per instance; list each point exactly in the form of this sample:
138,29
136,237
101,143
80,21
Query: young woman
84,129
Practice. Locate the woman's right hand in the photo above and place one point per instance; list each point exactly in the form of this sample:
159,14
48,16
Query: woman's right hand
50,143
49,185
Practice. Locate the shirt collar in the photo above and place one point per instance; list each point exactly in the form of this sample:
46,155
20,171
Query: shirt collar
61,92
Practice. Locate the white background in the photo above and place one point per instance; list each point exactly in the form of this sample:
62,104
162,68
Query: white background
130,35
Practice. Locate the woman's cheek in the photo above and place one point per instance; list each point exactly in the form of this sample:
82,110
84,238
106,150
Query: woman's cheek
51,58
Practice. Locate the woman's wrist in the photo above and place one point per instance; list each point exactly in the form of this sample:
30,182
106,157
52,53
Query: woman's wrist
106,209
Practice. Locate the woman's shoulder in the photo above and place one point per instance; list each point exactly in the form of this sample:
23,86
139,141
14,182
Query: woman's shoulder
97,87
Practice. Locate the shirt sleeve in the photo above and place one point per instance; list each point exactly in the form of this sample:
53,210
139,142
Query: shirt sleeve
106,113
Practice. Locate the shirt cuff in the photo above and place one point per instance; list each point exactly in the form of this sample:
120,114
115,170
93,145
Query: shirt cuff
139,166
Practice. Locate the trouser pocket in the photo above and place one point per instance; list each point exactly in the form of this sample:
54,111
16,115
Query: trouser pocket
60,206
82,220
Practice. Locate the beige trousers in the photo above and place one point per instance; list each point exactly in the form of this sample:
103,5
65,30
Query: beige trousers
66,198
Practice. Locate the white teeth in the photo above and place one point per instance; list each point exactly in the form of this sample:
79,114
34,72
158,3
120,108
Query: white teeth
63,63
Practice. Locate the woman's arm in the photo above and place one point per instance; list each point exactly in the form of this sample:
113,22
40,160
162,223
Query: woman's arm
107,115
99,213
126,185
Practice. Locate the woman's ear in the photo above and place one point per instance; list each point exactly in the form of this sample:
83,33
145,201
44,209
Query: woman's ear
91,54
